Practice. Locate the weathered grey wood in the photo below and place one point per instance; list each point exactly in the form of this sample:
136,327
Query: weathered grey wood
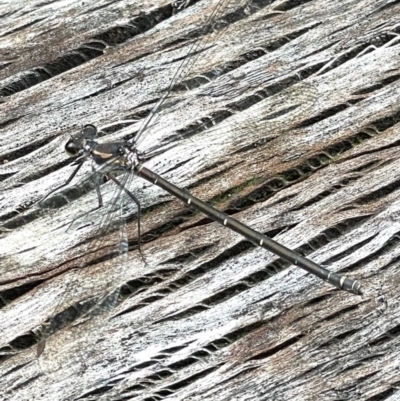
313,161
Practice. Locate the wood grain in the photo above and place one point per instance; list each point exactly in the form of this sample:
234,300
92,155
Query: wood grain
286,116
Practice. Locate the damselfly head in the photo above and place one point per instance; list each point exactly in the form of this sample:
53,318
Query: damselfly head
76,144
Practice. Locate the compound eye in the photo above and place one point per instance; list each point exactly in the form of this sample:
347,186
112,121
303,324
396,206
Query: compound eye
89,131
71,148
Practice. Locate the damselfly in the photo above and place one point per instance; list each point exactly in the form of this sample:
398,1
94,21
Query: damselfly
125,157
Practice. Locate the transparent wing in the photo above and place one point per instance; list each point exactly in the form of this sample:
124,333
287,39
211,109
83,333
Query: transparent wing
109,241
110,218
206,37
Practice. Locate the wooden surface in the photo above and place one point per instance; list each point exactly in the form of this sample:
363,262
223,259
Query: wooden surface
287,120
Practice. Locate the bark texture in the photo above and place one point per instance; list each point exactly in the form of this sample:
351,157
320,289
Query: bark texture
284,114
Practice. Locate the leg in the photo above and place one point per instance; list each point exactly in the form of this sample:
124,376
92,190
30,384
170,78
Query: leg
66,182
136,200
